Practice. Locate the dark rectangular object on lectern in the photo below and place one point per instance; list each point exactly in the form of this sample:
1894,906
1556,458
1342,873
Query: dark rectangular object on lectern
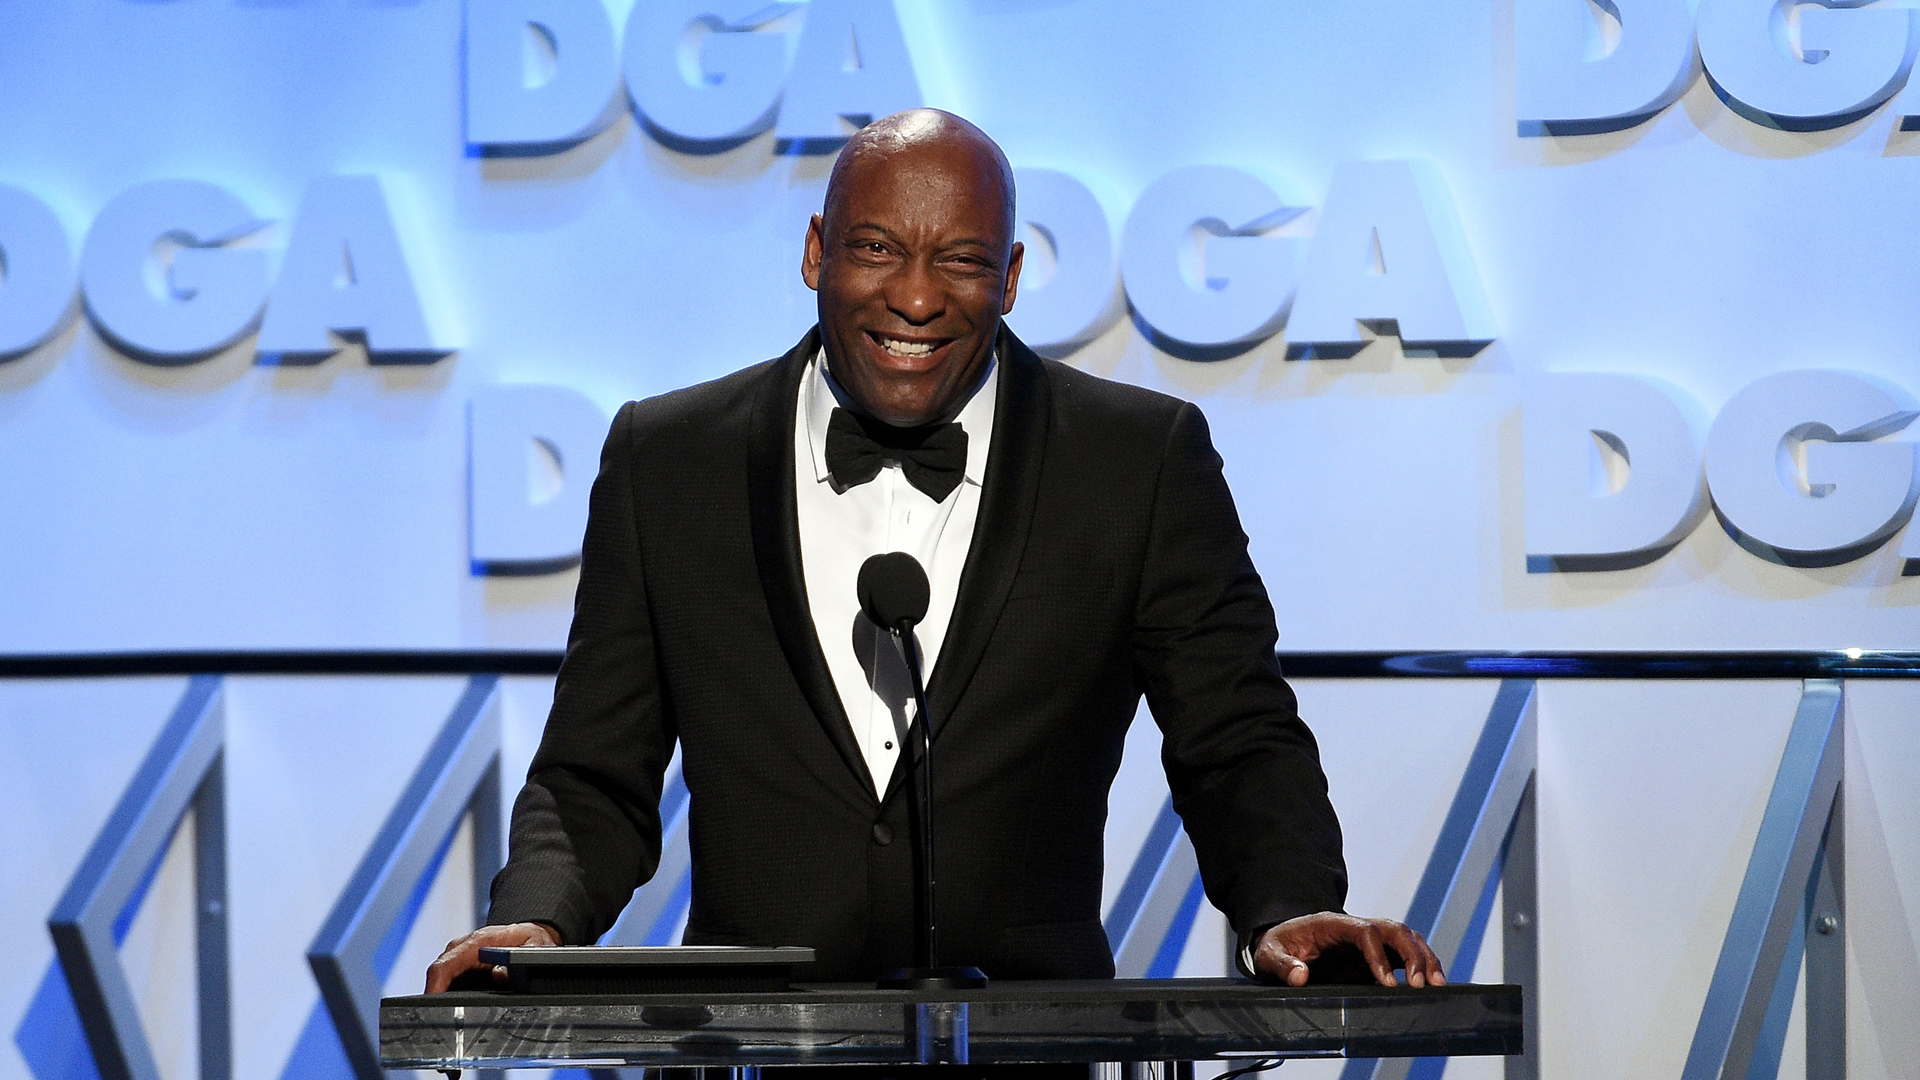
670,969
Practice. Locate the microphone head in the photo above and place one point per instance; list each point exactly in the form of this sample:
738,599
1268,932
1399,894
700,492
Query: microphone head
893,590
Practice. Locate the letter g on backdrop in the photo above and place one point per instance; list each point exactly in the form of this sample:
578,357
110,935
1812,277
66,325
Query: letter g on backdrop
1799,473
703,75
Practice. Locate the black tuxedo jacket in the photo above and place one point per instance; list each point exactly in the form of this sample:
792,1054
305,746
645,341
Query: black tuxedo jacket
1107,562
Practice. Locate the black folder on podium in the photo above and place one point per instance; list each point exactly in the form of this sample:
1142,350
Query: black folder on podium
667,969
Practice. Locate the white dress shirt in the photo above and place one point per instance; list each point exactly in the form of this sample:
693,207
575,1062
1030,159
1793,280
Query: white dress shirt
840,530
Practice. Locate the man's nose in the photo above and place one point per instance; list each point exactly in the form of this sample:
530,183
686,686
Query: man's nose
916,293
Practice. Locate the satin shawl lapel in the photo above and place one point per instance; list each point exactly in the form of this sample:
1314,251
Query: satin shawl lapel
776,549
1022,414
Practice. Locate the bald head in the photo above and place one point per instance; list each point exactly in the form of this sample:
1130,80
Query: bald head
884,142
915,262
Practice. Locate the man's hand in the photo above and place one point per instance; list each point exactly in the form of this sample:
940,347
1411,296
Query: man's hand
1284,951
463,954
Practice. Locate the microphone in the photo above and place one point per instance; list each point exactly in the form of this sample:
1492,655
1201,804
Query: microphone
894,593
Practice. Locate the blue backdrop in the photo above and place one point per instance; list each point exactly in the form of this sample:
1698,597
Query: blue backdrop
313,312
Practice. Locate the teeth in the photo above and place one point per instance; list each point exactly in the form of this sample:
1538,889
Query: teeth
906,348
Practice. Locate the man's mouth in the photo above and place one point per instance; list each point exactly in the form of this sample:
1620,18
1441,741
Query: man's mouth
903,348
906,350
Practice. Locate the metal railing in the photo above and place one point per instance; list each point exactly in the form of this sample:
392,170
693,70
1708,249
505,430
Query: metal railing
1434,664
1791,905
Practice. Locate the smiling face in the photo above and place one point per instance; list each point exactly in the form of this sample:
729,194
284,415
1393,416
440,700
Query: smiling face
914,263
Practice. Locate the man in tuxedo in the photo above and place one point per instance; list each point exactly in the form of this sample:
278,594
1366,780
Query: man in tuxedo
1082,549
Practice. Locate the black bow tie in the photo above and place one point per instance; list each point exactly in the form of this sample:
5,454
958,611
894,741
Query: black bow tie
934,458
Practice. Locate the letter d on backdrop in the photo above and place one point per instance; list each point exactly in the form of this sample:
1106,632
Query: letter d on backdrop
36,273
1079,296
1568,80
532,453
514,105
1612,472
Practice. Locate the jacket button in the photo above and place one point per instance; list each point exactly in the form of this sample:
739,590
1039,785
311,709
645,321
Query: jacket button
882,833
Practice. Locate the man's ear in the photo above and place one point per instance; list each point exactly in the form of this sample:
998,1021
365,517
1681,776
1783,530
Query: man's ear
1015,255
814,252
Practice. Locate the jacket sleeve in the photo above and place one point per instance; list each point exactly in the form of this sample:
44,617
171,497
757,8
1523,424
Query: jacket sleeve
1243,768
586,827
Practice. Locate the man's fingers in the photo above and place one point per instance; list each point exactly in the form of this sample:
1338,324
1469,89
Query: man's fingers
1397,940
1279,960
1423,966
1414,954
1418,953
1287,968
1383,943
1375,951
458,957
1296,972
463,955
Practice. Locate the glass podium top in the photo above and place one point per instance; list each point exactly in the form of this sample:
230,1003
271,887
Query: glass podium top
1094,1021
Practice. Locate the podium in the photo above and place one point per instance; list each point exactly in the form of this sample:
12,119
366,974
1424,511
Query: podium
1107,1021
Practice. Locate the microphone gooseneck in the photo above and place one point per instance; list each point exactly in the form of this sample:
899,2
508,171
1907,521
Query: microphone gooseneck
894,593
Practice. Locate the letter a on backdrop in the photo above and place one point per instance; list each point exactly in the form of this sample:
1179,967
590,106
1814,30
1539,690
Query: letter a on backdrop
344,272
1388,253
850,68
